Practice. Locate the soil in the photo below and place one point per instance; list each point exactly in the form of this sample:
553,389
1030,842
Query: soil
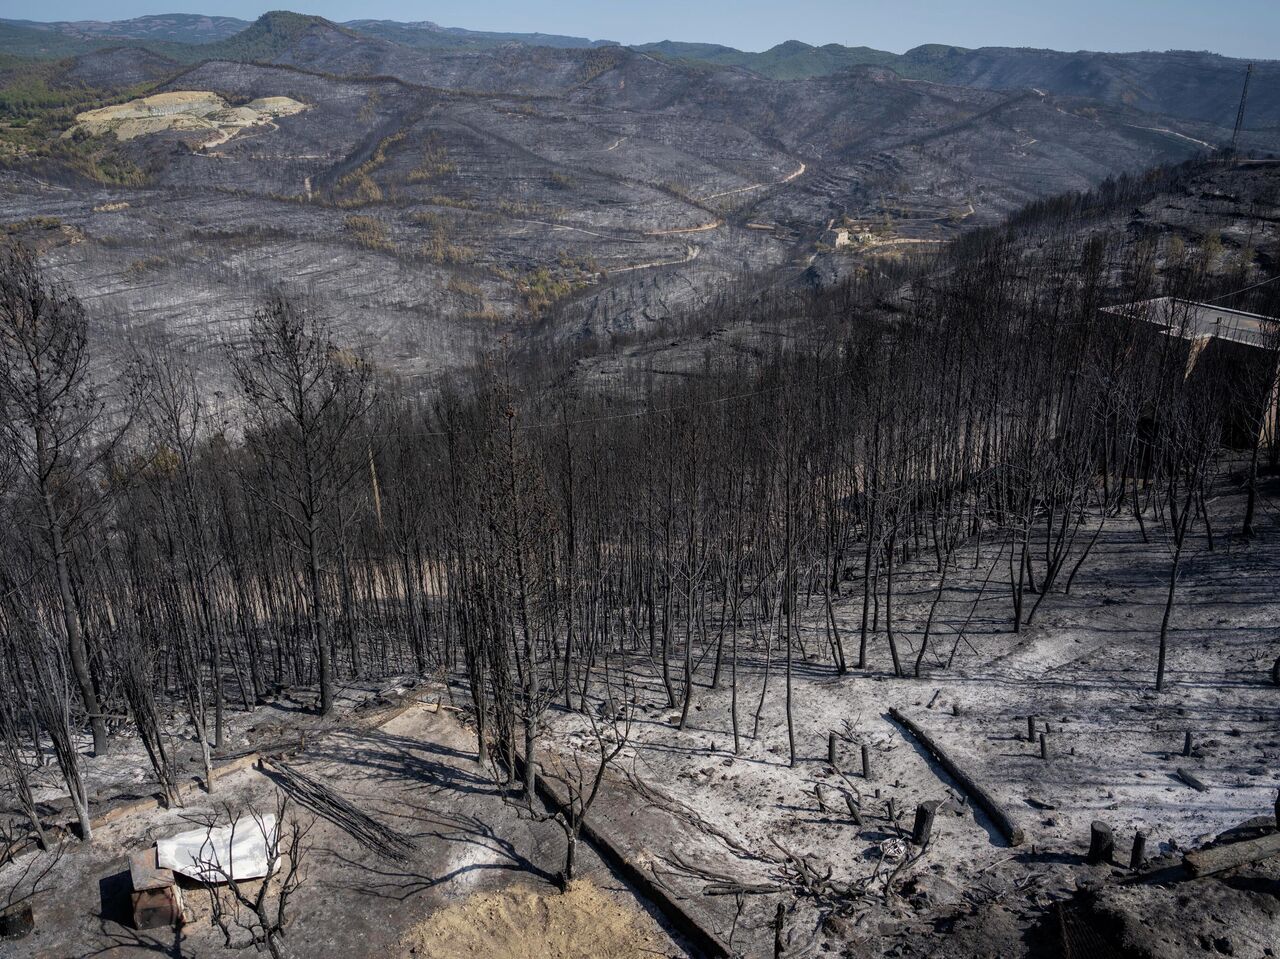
184,110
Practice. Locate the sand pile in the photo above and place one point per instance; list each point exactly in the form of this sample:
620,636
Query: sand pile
524,922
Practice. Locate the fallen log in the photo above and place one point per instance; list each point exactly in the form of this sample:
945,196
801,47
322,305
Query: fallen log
737,889
1206,862
1192,781
1004,822
705,940
186,789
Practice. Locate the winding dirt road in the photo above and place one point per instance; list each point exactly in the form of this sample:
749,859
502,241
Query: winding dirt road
799,171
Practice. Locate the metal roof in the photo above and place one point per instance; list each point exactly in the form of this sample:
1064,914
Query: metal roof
1193,321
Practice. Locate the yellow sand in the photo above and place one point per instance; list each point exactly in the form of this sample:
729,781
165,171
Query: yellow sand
527,923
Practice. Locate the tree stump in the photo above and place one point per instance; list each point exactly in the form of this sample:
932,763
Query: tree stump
1031,729
866,762
854,812
1044,747
831,751
923,828
1139,854
779,918
1102,844
1186,744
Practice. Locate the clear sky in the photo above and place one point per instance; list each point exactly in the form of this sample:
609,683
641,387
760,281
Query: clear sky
1247,28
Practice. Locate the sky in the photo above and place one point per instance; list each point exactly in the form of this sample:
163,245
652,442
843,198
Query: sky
1245,28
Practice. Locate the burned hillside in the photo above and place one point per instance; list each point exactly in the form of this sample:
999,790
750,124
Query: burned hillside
481,498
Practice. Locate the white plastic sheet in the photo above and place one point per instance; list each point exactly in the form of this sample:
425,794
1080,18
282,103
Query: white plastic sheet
238,851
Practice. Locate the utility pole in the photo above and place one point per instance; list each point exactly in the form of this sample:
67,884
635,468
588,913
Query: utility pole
1244,95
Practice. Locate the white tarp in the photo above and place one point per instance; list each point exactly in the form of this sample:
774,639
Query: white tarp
238,851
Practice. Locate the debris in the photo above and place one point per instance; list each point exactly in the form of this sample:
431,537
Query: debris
156,899
385,841
146,873
893,850
238,850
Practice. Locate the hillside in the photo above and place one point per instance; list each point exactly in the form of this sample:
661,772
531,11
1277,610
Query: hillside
509,496
1185,84
858,554
30,39
437,198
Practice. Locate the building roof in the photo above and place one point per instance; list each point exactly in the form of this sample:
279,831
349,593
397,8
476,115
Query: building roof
1193,321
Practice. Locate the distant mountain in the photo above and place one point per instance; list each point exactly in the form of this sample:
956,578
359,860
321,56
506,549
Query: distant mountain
791,60
70,37
425,35
264,39
23,38
165,28
1186,85
1179,83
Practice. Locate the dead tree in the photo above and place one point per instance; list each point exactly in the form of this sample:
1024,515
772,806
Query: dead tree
305,397
53,700
49,414
253,914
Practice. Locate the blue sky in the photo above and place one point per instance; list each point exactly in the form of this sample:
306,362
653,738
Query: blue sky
1248,28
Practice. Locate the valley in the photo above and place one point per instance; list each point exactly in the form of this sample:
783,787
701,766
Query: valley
562,194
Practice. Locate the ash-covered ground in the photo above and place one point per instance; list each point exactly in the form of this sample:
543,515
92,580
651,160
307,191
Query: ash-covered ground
693,815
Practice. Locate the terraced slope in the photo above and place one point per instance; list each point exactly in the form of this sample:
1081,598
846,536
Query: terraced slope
436,199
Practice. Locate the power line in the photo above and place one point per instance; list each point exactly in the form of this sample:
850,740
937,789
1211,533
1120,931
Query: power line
1245,289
